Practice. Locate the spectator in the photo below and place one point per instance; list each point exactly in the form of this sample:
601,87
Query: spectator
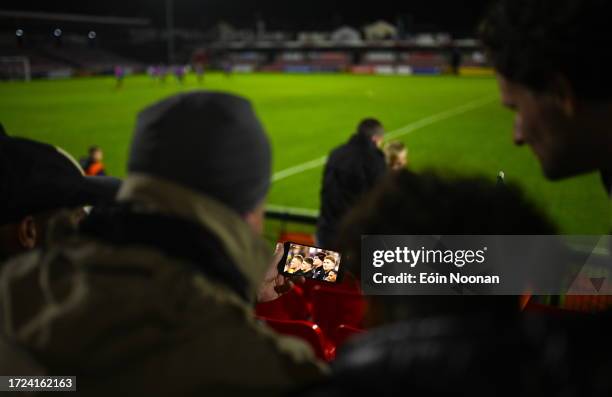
38,182
93,164
307,268
437,206
317,272
456,58
352,170
459,345
157,295
329,263
119,76
563,103
396,155
295,266
331,276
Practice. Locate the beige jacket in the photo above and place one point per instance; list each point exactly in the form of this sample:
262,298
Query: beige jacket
143,322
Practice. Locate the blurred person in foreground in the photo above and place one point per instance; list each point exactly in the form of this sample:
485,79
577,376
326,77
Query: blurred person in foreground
92,164
156,295
42,188
460,345
563,103
352,170
396,155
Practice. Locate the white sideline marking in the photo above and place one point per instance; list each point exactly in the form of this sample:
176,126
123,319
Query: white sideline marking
293,210
298,169
417,125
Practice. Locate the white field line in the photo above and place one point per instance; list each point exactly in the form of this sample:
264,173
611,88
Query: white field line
298,169
293,210
407,129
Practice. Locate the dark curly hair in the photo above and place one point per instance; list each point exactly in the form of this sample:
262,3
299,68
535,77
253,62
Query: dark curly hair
427,204
369,127
533,41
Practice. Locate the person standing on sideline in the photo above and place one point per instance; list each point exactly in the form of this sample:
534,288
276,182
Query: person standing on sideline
352,170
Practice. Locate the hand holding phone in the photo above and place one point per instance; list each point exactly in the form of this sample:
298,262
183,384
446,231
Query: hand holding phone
275,284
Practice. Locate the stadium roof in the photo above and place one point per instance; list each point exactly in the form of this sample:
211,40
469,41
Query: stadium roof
63,17
418,15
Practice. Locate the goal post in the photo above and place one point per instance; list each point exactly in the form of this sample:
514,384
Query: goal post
15,68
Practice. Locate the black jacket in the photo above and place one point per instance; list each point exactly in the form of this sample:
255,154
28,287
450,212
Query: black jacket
351,171
307,274
318,273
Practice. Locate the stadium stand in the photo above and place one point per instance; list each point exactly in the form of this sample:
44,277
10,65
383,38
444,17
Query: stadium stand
424,62
94,60
310,62
308,331
49,60
73,52
247,61
379,58
40,63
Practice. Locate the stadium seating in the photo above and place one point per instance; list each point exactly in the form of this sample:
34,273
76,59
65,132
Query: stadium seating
336,311
297,237
310,62
310,332
332,307
95,60
40,64
49,60
379,58
248,61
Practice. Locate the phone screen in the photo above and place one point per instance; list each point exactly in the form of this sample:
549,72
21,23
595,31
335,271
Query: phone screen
311,262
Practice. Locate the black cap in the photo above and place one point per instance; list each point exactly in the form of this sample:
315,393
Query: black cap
210,142
36,177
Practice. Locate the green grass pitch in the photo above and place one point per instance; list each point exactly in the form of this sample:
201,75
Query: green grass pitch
306,116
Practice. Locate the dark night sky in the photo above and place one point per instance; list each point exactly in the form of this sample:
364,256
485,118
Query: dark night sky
460,17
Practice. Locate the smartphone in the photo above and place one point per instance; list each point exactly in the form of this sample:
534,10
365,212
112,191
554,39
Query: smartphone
311,262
